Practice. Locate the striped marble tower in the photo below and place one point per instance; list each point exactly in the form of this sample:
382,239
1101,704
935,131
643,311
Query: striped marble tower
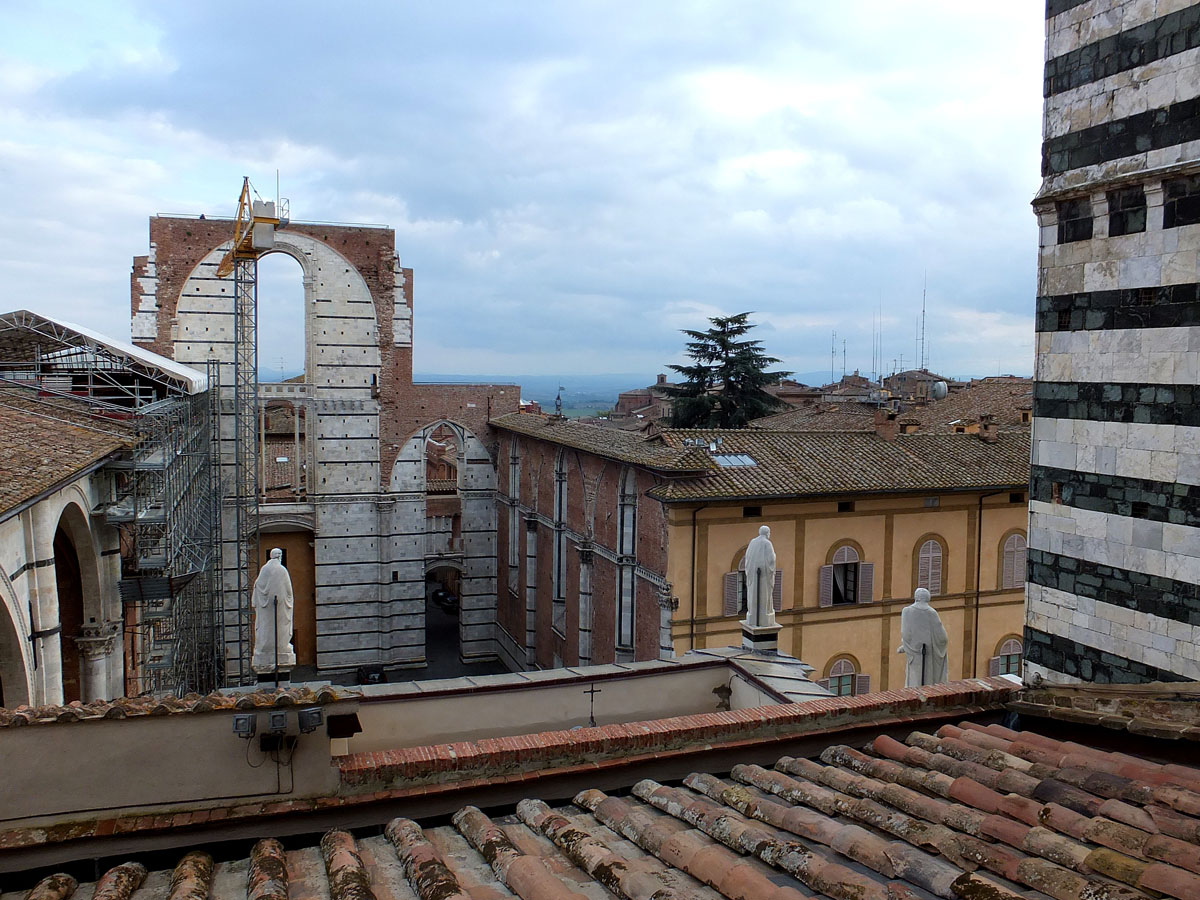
1114,539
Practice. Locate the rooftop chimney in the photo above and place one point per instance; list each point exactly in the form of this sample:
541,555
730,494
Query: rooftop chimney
885,423
988,430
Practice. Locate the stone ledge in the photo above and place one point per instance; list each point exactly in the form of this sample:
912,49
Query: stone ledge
493,757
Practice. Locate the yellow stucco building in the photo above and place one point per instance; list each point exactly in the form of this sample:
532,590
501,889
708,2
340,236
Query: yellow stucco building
859,521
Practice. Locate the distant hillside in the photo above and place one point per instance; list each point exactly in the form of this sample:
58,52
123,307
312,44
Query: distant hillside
579,391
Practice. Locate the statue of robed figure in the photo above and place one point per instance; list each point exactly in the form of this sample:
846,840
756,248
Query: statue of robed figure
760,580
272,602
924,642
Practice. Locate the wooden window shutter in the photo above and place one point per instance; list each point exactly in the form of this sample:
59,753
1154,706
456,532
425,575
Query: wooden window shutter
994,666
862,684
777,591
825,595
730,607
929,567
823,682
866,582
935,568
1009,565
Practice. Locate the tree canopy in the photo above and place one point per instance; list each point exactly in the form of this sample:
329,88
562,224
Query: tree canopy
724,384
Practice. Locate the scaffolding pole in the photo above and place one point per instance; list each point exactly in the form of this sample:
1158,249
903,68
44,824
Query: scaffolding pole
245,488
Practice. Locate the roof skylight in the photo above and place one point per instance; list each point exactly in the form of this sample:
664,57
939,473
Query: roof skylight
731,460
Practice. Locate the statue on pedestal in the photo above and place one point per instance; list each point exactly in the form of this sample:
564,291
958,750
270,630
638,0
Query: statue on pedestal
272,602
760,580
924,642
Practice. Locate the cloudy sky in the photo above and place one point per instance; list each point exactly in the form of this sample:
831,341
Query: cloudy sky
573,182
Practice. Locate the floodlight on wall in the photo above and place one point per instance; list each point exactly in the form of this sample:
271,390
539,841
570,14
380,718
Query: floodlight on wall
277,722
244,725
311,719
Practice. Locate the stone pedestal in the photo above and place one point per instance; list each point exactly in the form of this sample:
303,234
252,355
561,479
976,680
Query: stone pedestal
764,639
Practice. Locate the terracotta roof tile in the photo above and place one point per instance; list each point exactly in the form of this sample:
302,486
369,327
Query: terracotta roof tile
972,811
46,441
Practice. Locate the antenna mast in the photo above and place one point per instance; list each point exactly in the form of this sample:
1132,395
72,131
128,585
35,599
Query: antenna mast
924,291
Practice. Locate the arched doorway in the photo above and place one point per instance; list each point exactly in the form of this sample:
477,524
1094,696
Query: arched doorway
443,607
68,579
298,559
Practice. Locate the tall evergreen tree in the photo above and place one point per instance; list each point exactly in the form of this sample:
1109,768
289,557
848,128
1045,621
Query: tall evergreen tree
724,385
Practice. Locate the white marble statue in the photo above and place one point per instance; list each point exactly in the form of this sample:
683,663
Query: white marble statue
273,597
924,642
760,580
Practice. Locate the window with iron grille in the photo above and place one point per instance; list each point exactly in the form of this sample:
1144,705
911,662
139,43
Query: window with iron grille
1126,211
1074,220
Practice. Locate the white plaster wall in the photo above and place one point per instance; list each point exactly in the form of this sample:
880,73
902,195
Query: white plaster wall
31,598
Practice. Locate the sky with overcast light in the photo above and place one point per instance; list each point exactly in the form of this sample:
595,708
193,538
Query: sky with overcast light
572,182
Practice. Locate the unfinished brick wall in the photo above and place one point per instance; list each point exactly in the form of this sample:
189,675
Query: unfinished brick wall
363,411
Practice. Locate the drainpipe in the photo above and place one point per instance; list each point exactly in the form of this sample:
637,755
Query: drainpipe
692,605
978,564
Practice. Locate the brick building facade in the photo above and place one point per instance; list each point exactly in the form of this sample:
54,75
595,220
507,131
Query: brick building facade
582,551
1114,550
616,546
364,504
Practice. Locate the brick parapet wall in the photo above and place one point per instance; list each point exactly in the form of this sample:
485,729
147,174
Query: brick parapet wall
555,751
420,772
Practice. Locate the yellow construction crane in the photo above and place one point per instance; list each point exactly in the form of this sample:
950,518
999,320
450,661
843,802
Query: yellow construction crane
253,236
253,229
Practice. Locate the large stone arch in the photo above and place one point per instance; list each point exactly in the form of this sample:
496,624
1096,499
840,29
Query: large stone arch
341,339
16,685
475,555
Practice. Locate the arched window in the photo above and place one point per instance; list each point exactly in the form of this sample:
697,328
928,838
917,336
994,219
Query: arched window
1007,660
846,579
559,588
514,513
1012,564
929,566
627,558
844,679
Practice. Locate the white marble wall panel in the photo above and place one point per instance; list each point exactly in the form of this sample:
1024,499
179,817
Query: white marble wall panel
1111,540
1169,453
1127,355
1152,640
1097,19
1127,93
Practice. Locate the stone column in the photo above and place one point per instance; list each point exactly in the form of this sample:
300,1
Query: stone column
45,623
97,645
586,561
531,538
668,603
296,449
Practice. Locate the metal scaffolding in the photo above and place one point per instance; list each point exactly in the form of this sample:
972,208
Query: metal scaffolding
163,495
245,474
169,509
